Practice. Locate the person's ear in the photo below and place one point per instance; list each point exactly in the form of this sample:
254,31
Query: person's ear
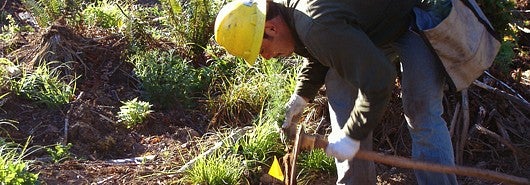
270,28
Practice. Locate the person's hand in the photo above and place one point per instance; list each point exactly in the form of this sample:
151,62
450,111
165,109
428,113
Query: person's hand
293,111
342,146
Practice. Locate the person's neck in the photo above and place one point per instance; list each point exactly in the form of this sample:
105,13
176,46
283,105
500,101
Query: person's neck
286,11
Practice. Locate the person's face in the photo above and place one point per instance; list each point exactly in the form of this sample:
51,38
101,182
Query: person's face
277,39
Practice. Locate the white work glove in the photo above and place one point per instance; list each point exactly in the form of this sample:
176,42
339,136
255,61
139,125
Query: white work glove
342,146
293,111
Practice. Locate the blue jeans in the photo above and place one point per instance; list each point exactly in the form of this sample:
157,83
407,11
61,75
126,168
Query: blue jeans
422,92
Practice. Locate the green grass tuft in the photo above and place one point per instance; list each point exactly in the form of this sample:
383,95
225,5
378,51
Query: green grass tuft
104,14
45,85
168,79
216,169
13,167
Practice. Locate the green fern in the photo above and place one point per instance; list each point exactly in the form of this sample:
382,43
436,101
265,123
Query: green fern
134,112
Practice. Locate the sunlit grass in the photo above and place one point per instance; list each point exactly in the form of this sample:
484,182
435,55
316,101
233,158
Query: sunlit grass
245,92
9,30
13,167
260,144
45,85
316,160
104,14
216,169
216,164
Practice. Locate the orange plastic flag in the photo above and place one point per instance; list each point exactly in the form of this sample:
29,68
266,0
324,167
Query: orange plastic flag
276,170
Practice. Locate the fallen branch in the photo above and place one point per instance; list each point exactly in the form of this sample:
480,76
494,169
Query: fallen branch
496,136
454,120
506,85
465,128
519,101
480,120
136,160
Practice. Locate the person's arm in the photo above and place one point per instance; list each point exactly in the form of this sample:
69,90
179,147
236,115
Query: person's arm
310,78
348,50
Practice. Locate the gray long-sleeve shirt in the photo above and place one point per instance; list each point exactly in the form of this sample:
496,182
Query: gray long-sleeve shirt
345,35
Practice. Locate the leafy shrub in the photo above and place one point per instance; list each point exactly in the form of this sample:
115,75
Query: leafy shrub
152,20
168,79
46,12
103,14
45,86
13,169
8,27
134,112
59,152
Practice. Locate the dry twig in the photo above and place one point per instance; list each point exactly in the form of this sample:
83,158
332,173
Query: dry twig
454,120
465,127
519,101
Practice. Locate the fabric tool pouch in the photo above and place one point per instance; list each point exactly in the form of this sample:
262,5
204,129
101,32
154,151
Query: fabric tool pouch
463,39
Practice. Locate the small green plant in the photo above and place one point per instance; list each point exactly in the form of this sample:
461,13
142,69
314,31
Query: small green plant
104,14
168,79
13,167
45,85
46,12
316,160
134,112
152,20
59,152
9,30
8,33
7,71
216,169
261,143
314,166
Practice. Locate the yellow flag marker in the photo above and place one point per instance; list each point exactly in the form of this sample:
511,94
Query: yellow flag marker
276,170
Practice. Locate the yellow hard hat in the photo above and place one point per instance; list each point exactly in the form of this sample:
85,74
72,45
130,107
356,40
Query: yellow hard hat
239,28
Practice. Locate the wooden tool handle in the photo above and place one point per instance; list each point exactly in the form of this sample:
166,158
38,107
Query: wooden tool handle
321,142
